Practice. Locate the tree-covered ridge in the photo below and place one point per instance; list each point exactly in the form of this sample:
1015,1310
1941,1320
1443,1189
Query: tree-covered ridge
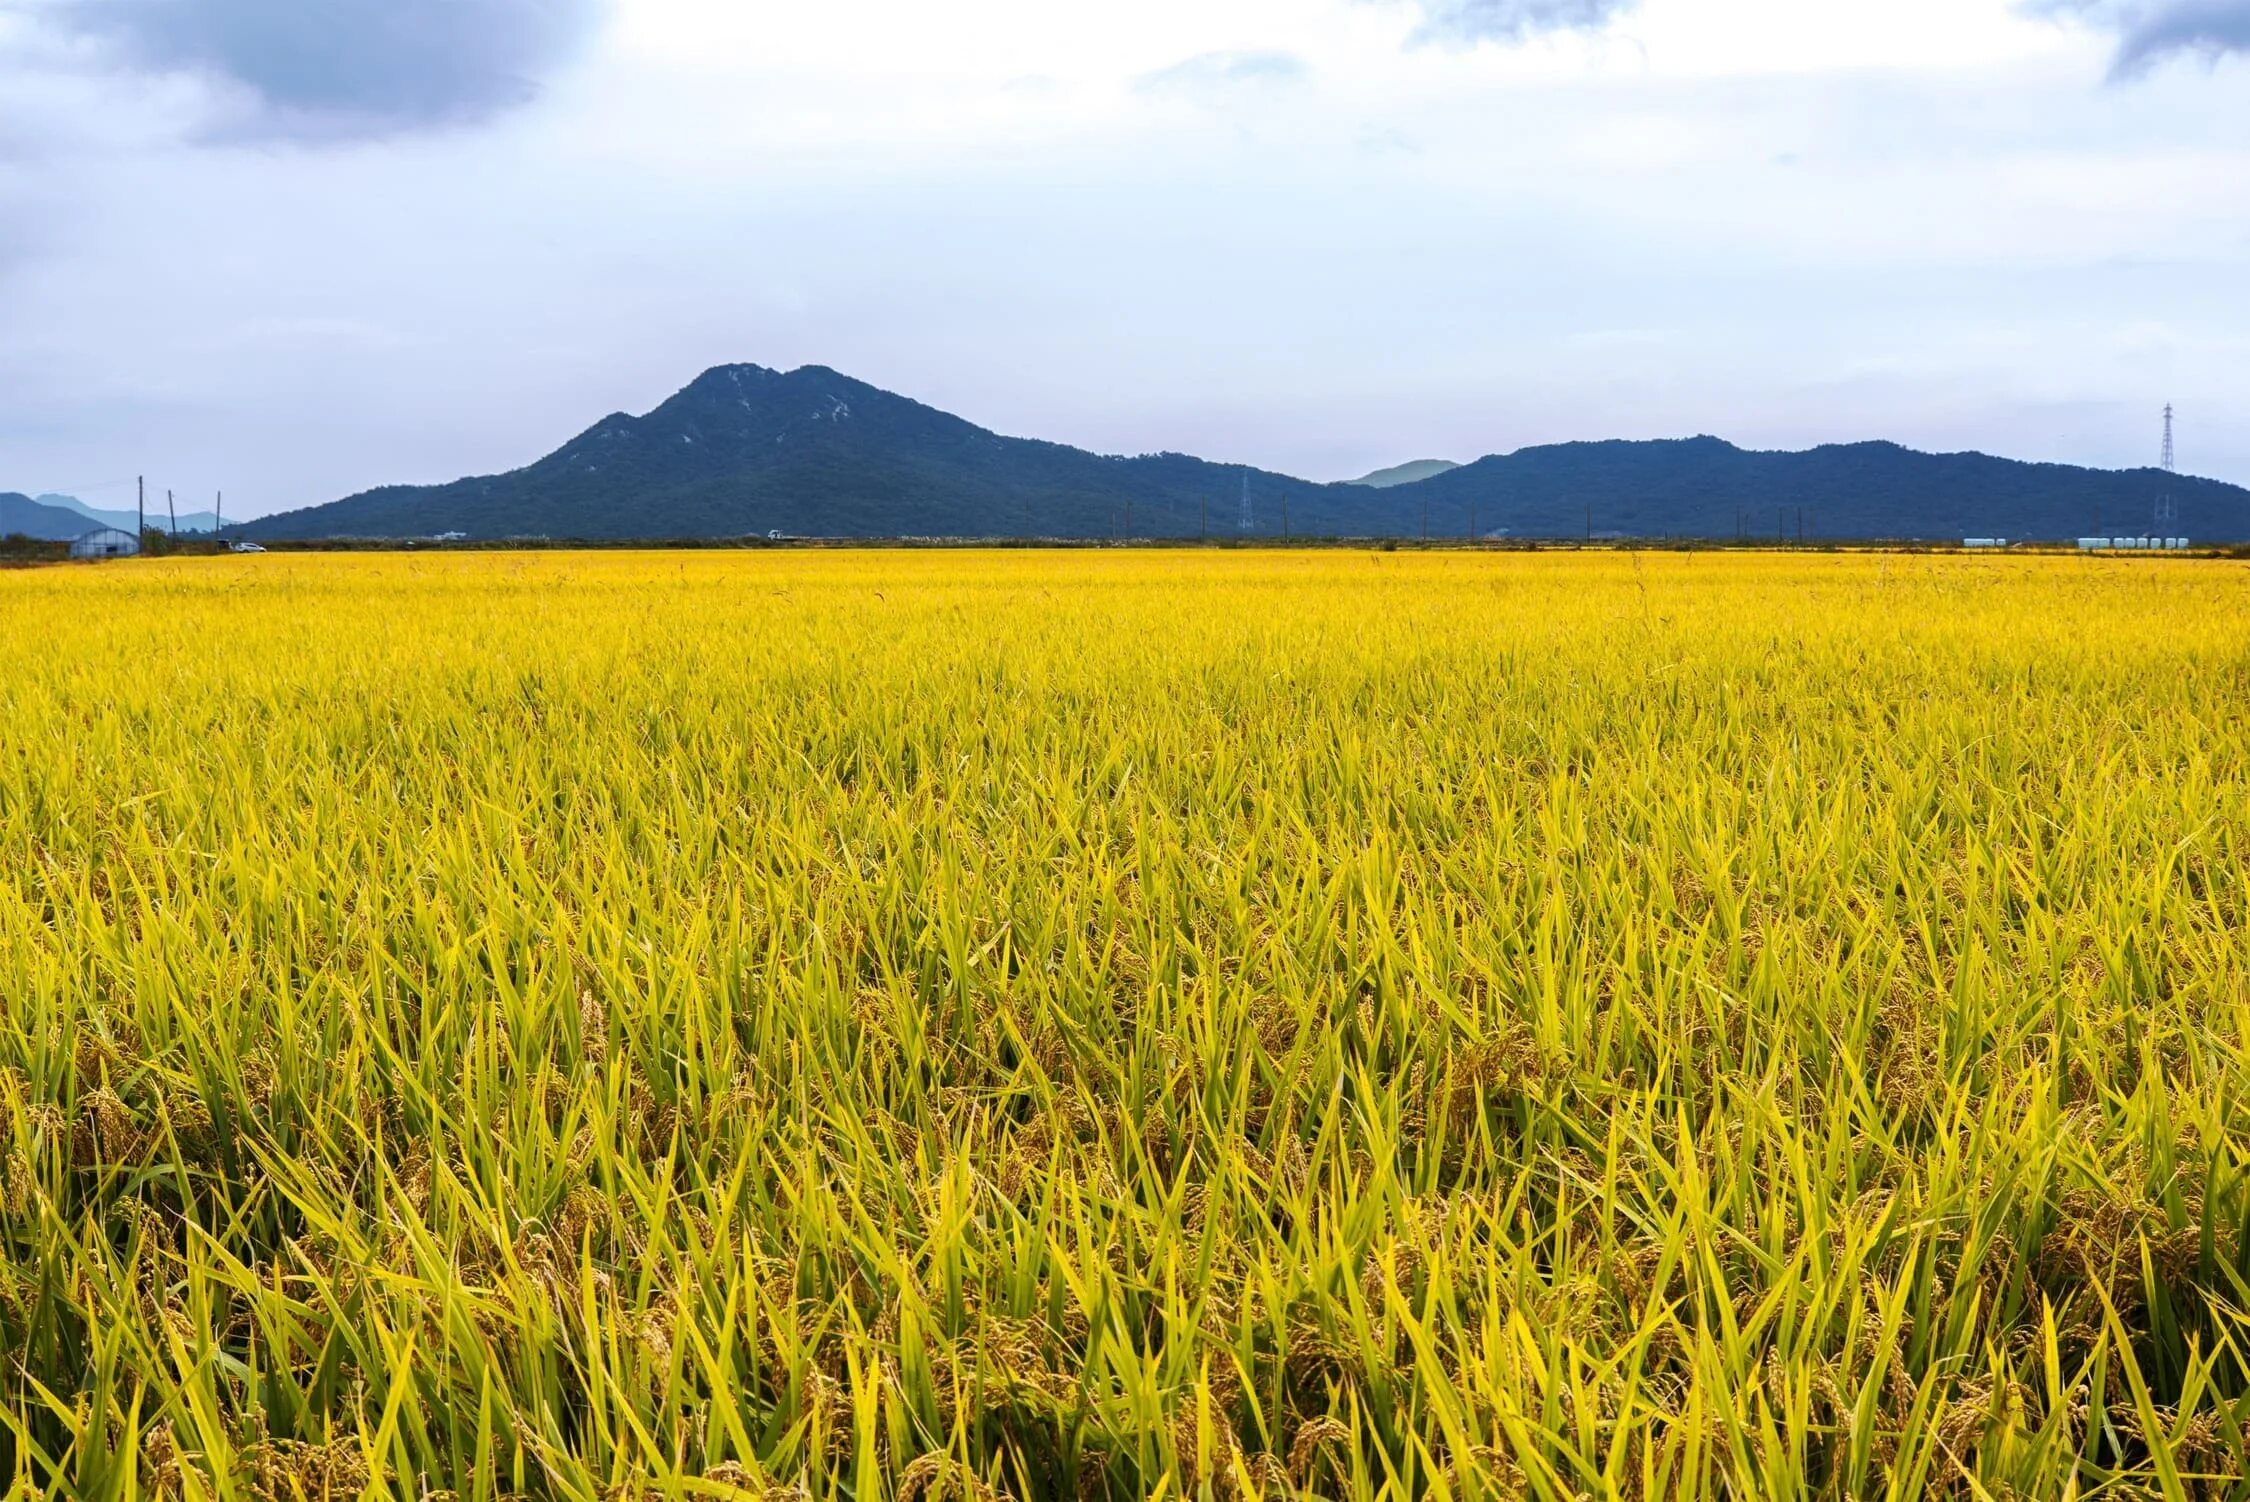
744,450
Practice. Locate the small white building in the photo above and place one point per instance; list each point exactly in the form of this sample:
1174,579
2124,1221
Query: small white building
105,542
2131,544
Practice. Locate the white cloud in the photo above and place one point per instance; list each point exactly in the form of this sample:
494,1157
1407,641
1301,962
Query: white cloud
1224,70
1778,221
1514,20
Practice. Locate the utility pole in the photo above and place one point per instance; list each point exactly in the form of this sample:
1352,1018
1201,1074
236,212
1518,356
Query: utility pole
1425,518
1285,516
140,510
1589,521
219,514
1206,503
172,511
1472,521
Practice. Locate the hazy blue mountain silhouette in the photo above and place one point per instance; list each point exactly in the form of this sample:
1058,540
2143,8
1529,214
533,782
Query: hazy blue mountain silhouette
21,516
125,518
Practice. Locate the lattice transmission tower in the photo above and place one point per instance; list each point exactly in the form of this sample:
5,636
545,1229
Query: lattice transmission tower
2167,505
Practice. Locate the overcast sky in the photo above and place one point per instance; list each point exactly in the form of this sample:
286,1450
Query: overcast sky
294,250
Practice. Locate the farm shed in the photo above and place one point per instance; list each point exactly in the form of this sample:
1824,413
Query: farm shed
105,542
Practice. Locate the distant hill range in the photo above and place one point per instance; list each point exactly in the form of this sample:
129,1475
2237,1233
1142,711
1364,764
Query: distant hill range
59,518
21,516
189,521
1405,474
158,516
810,453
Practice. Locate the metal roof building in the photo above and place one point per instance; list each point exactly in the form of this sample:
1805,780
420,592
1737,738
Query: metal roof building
105,542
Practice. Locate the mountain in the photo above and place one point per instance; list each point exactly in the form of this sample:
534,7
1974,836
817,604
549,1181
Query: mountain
21,516
747,451
1405,474
124,521
1703,487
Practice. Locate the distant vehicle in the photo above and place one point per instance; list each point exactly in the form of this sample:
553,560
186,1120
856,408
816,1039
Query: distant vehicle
244,547
450,537
1984,542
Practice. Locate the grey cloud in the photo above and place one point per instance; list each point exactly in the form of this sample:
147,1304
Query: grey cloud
1217,69
1514,20
354,67
2149,31
2208,26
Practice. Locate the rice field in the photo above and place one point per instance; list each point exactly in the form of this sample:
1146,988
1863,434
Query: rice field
1116,1025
